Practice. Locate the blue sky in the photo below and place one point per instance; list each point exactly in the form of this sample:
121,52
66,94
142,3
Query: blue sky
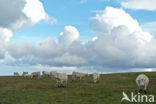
79,21
75,13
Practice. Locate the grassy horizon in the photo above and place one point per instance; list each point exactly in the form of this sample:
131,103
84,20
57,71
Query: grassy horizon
109,90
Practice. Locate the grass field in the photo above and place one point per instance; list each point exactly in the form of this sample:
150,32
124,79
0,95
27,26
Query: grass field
44,91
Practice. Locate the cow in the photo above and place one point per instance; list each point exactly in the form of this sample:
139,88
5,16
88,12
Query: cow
53,74
96,77
45,74
142,81
16,74
78,75
24,73
61,79
36,74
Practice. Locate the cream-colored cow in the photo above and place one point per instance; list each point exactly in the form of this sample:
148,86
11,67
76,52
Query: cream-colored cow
78,75
96,77
16,74
24,73
36,74
61,79
142,81
45,74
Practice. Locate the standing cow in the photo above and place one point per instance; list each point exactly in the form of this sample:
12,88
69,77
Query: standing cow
16,74
61,79
45,74
36,74
96,77
142,81
78,75
25,74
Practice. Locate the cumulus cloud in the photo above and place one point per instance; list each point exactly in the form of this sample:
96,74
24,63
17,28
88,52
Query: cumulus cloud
69,59
18,50
48,47
27,12
69,35
68,50
16,14
139,4
121,44
5,35
110,18
10,14
43,67
34,10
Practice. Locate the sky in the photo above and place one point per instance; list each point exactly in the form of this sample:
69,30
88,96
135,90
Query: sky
105,36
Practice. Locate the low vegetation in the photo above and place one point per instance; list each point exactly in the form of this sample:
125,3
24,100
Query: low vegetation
18,90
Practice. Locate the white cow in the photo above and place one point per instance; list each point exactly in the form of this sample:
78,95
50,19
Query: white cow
24,73
28,75
53,74
61,79
36,74
45,74
77,75
142,81
16,74
96,77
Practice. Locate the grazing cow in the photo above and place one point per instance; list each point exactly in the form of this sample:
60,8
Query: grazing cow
28,75
77,75
53,74
61,79
36,74
16,74
96,77
142,81
86,74
45,74
24,73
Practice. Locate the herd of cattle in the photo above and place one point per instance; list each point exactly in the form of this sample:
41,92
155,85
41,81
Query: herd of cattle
61,78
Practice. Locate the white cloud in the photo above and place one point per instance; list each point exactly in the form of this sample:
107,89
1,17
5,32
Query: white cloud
18,50
139,4
34,10
149,69
112,17
142,69
48,47
120,47
70,34
69,59
119,41
11,12
5,35
50,20
51,68
16,14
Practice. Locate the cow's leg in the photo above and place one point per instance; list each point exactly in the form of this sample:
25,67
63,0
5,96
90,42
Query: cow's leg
140,90
145,89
